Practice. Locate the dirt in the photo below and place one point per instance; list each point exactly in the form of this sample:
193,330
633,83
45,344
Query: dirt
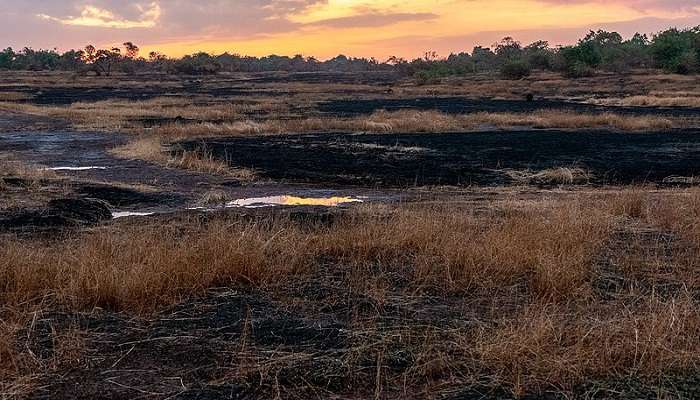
58,214
190,350
484,158
462,105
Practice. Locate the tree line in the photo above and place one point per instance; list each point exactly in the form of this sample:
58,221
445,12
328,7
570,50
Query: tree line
673,50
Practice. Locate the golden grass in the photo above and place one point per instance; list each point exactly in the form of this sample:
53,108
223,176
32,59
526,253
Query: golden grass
23,170
552,349
31,175
136,268
128,115
525,279
155,149
552,176
14,96
663,101
411,121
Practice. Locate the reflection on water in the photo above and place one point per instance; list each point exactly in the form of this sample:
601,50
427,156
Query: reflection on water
257,202
74,168
124,214
292,201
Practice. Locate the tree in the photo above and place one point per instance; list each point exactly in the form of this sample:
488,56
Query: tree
484,59
508,49
132,50
515,69
7,58
101,61
677,51
539,55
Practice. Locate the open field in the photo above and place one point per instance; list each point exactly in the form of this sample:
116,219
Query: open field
349,236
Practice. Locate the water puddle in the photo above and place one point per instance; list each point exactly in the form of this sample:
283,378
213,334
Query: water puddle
271,201
259,202
74,168
125,214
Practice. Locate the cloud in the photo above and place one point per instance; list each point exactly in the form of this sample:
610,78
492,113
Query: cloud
373,19
444,45
309,25
92,16
686,6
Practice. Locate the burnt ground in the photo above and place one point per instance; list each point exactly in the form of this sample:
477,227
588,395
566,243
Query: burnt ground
475,158
313,338
300,341
117,184
462,105
145,87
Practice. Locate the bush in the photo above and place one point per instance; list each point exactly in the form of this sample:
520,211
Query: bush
579,70
426,77
677,51
515,70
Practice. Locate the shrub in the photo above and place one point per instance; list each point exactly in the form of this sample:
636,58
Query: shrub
515,70
579,70
677,51
426,77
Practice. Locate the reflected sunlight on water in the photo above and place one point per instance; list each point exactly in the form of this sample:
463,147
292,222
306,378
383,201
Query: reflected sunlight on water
292,201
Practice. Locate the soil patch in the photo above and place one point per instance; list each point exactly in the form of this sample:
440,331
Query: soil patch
60,213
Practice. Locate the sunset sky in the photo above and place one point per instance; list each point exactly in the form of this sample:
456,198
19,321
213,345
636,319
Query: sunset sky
325,28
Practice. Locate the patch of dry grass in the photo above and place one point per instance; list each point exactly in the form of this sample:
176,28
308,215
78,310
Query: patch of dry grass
135,268
155,149
552,176
522,282
662,101
31,175
411,121
554,349
14,96
23,170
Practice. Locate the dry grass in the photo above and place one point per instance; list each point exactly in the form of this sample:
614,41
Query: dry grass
155,149
31,175
411,121
541,247
523,282
14,96
21,169
552,176
692,100
552,349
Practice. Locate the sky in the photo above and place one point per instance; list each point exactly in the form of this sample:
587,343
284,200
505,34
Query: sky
326,28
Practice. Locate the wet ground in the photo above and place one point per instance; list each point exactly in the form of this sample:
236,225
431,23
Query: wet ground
123,187
474,158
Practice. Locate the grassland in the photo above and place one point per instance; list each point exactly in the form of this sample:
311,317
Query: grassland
556,286
507,298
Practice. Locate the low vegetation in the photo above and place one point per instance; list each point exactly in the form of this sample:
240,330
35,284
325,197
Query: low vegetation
516,298
424,121
155,149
